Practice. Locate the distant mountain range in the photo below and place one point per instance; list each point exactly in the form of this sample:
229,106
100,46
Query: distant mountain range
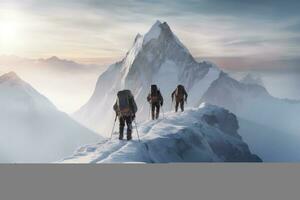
67,83
52,63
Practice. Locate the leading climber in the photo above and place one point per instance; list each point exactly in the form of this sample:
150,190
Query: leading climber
125,108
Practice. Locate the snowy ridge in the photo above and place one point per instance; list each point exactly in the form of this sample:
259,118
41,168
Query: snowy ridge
205,134
130,56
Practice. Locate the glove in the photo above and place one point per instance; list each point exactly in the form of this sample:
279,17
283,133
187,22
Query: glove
161,103
133,116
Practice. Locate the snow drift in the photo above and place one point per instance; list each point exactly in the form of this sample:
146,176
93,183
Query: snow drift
159,58
205,134
32,129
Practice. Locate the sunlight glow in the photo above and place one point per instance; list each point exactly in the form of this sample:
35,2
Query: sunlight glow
11,32
8,31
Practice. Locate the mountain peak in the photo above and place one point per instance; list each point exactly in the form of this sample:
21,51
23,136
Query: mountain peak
251,79
137,37
53,59
162,30
153,33
156,24
10,76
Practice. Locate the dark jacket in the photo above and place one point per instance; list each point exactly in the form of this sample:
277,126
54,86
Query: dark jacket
155,99
132,104
182,96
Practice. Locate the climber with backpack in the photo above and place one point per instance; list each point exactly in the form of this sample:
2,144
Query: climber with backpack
125,108
156,101
180,95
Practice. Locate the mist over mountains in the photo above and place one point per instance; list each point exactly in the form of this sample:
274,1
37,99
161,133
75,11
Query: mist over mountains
67,83
32,129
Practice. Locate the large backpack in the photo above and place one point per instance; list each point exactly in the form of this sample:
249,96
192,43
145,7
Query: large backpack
154,94
179,94
124,102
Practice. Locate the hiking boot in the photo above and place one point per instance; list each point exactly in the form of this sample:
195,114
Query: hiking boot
121,131
129,137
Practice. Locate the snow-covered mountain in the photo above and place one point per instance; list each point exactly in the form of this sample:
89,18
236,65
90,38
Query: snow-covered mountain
159,58
266,116
32,129
232,94
205,134
253,102
252,79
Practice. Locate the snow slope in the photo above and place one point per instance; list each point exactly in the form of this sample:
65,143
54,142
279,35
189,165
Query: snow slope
159,58
253,102
32,129
205,134
270,144
269,125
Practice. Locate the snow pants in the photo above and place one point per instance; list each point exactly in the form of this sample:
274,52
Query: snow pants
128,121
181,105
155,108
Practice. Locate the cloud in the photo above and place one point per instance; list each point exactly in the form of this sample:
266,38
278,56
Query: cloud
98,28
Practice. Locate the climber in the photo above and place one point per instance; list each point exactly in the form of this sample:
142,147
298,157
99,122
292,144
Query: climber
125,108
156,101
180,97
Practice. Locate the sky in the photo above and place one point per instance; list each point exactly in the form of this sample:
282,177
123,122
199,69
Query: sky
237,35
102,31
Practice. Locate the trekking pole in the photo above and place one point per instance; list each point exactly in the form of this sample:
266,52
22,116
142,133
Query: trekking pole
113,127
149,111
137,132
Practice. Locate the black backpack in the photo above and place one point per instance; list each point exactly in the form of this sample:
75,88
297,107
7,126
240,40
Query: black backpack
124,102
154,94
180,92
